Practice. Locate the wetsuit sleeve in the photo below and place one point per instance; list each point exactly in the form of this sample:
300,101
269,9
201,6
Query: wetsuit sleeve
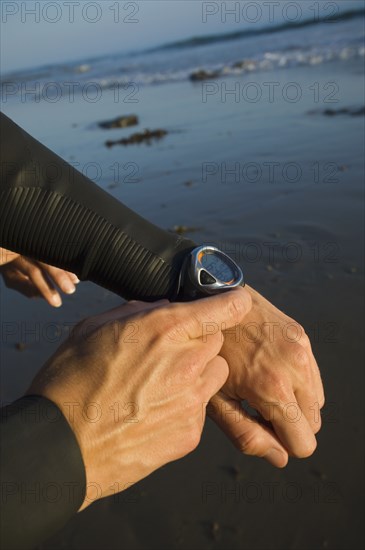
41,472
51,212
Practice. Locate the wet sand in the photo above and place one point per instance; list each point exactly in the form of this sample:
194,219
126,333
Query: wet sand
300,243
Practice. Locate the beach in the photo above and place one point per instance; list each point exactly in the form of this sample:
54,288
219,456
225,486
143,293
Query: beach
269,167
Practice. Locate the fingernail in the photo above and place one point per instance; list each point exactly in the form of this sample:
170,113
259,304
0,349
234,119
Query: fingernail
56,300
276,457
68,287
75,279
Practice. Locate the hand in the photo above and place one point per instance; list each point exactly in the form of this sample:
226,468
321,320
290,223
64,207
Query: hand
147,372
34,279
271,365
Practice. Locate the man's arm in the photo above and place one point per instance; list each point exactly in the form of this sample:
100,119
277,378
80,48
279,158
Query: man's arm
51,212
41,471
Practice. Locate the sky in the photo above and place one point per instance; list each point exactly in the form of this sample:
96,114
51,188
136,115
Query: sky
35,33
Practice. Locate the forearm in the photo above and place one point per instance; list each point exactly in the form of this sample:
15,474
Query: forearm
51,212
42,473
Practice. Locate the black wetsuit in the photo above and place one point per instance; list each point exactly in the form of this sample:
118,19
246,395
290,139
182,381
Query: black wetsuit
51,212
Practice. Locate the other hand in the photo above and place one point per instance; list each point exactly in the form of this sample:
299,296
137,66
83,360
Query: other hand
272,367
37,279
140,377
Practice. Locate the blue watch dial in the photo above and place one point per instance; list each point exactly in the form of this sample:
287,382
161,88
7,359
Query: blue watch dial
217,267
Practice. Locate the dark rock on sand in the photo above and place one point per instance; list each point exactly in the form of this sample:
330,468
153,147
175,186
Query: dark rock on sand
197,76
350,111
345,111
146,136
120,122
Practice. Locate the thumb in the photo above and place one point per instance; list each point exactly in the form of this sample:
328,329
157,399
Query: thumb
250,437
213,312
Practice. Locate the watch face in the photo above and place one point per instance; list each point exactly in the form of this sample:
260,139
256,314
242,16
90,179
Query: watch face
218,267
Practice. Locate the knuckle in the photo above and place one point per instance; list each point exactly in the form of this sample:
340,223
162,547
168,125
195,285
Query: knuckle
236,308
300,329
250,443
298,356
302,361
34,271
174,331
61,279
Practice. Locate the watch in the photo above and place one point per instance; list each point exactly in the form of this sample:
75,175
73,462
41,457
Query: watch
207,271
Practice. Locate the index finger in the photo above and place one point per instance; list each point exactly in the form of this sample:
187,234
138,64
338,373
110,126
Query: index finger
213,313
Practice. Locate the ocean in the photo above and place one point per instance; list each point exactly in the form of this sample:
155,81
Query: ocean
305,42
